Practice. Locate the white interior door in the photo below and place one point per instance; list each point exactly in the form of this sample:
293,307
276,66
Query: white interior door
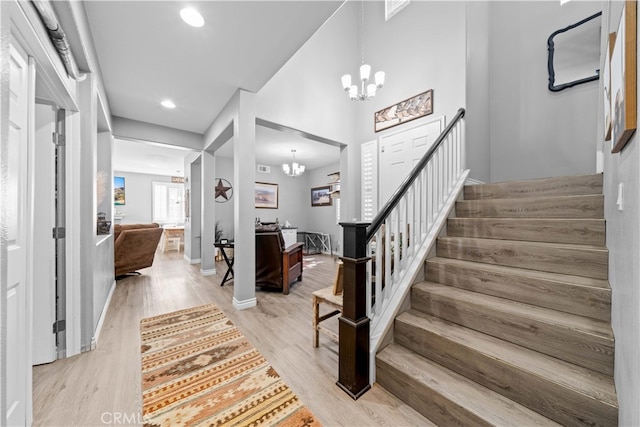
44,271
17,380
399,152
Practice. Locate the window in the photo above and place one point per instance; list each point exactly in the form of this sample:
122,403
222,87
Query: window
336,203
168,202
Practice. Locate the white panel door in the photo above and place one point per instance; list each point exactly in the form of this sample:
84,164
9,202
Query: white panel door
400,152
17,384
44,251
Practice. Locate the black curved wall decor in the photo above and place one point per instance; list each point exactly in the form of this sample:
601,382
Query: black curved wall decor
551,48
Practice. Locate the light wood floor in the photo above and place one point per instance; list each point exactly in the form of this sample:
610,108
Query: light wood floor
102,387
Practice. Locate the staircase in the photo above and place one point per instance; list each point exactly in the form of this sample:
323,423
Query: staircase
512,323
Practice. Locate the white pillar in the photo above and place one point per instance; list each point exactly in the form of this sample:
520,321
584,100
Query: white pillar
208,215
244,173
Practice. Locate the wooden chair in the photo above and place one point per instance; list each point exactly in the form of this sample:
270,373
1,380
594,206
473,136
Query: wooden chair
332,296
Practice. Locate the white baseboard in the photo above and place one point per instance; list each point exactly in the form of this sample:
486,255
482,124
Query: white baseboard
471,181
192,261
599,161
96,335
209,272
243,305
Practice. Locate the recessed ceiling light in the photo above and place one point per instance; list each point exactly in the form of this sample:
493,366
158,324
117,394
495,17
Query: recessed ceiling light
167,103
192,17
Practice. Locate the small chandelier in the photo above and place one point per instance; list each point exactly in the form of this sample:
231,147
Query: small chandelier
293,169
367,90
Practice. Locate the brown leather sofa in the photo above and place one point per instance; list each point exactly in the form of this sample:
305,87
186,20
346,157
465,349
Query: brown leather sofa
277,267
134,246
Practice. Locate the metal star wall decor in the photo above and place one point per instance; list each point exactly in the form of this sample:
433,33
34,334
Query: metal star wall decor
224,191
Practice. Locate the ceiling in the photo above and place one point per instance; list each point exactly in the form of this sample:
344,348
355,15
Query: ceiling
147,53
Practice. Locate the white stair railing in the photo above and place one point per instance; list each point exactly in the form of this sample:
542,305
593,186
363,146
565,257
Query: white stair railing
397,243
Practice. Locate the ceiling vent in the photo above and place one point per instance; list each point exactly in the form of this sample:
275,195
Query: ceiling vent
264,169
391,7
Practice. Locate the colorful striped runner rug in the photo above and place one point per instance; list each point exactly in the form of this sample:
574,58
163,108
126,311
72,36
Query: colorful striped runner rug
198,369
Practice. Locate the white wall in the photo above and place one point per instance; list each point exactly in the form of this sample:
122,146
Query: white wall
292,198
103,258
306,93
192,225
138,187
623,242
478,92
535,132
420,48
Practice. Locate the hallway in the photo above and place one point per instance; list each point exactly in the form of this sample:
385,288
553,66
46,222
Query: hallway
102,387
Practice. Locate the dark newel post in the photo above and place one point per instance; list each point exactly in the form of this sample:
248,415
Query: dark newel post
353,371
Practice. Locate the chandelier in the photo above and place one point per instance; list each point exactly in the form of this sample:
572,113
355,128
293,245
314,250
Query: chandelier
367,90
294,169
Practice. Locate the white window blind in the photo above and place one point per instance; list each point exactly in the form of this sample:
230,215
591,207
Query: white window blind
369,179
168,202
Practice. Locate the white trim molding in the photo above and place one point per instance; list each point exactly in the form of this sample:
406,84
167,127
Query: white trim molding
243,305
208,272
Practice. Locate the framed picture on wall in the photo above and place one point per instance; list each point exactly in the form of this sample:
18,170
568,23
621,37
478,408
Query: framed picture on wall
321,196
624,79
607,87
118,190
410,109
266,195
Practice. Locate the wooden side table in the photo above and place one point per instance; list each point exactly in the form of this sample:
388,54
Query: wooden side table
171,238
228,260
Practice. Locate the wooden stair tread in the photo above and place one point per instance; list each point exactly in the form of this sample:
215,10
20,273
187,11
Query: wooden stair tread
580,260
468,240
561,230
564,185
484,403
543,275
572,206
571,294
595,385
600,331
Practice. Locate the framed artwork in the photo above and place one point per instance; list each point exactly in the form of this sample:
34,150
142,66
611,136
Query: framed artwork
607,87
320,196
624,79
404,111
118,190
266,195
